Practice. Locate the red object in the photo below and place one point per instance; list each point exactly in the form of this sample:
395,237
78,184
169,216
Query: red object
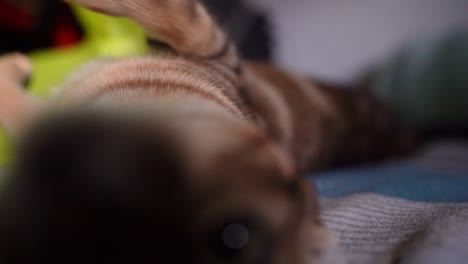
16,18
65,32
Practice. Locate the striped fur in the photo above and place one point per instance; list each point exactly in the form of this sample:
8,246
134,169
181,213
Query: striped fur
314,124
273,124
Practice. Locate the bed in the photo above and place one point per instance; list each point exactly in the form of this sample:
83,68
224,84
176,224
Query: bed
413,210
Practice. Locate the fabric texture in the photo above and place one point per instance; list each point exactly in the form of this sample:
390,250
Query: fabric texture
412,211
378,229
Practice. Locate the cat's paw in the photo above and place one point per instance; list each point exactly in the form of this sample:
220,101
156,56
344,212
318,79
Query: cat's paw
15,67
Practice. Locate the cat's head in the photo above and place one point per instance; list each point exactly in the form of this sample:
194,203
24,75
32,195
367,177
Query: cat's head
167,187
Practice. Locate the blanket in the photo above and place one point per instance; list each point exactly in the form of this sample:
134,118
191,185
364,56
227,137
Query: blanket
409,211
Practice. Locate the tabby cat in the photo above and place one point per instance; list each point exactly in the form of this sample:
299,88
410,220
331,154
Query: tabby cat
189,155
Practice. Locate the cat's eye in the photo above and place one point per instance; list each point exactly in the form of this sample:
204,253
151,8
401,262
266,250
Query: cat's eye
231,240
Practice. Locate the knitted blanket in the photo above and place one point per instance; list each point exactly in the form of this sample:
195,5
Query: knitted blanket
412,211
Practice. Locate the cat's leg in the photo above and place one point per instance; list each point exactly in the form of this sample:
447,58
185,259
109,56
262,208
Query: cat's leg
183,25
16,106
365,129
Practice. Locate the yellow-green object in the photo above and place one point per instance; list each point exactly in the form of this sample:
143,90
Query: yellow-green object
104,36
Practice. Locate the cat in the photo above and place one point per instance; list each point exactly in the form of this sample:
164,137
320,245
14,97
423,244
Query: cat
188,155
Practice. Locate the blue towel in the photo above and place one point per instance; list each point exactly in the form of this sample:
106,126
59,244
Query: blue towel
401,180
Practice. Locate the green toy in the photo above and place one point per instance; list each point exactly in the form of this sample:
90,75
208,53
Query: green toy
104,36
